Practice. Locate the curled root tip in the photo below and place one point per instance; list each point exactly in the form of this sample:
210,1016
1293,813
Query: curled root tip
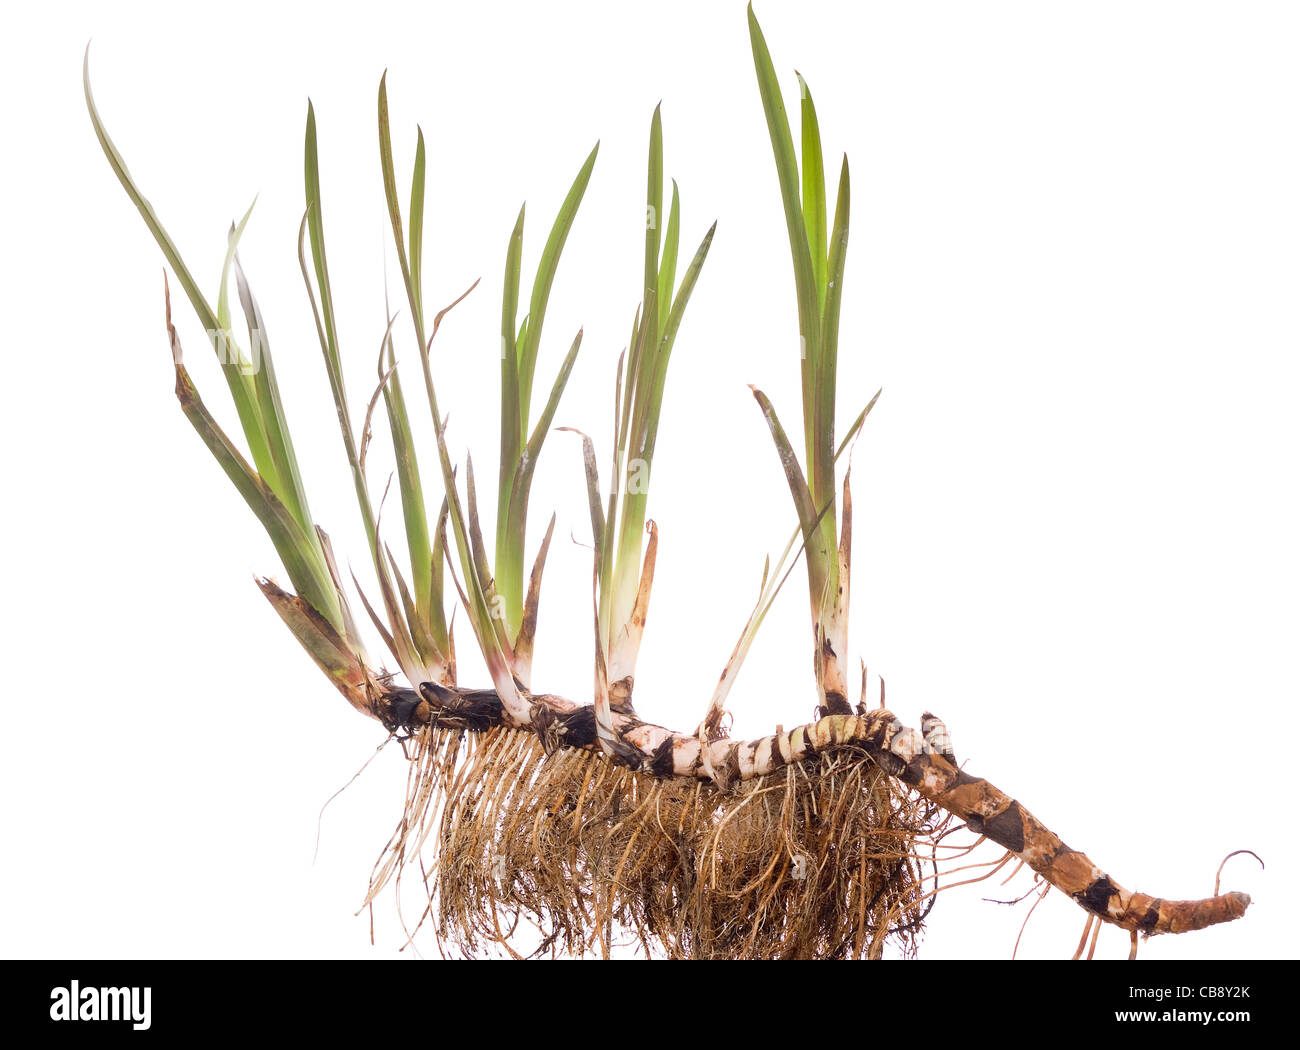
1218,874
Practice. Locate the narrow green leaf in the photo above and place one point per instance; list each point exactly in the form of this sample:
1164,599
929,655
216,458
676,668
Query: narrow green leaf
412,661
787,171
232,244
668,261
654,205
814,186
497,656
383,630
636,381
395,210
857,423
300,553
625,646
823,468
546,269
717,704
512,412
768,597
291,543
416,233
523,645
475,532
386,368
488,628
620,413
622,566
329,352
289,486
350,633
316,234
414,513
327,329
206,314
233,365
494,652
803,503
654,401
544,421
421,639
437,617
846,547
510,570
605,735
839,249
413,505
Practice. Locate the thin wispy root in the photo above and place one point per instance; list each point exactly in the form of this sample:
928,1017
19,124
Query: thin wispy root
813,843
814,860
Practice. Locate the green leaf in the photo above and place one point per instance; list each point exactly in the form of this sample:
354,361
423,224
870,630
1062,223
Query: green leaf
857,423
803,503
413,504
437,617
289,486
654,205
340,400
814,186
511,413
668,261
232,244
428,652
350,633
233,365
828,365
316,234
510,570
766,597
495,654
546,269
300,552
481,566
326,328
416,233
383,630
524,641
787,171
654,402
414,513
205,312
544,421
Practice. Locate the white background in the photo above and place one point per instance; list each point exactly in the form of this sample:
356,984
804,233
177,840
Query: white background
1073,269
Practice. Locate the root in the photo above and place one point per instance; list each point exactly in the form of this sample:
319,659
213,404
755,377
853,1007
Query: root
807,862
804,844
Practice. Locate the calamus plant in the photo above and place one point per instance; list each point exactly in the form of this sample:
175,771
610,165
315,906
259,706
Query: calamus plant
540,824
